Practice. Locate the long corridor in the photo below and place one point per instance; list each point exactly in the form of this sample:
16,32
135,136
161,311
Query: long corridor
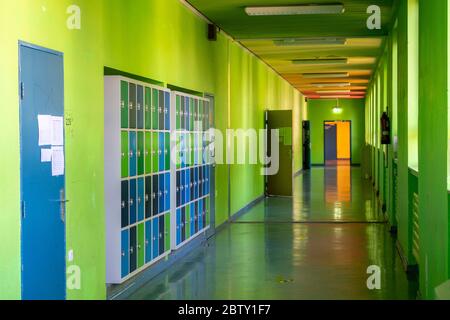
317,245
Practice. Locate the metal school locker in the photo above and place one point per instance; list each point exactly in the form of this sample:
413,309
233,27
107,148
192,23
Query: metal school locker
137,176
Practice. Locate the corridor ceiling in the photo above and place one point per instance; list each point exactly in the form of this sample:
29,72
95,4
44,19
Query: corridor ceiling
286,42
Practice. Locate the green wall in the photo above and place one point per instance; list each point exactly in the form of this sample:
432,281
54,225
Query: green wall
422,135
161,40
320,110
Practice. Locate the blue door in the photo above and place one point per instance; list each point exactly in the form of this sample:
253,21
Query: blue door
42,191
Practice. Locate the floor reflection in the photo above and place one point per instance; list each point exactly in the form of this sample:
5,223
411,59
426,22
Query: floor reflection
307,260
332,193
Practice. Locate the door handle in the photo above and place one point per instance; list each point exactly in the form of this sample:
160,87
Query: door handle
62,204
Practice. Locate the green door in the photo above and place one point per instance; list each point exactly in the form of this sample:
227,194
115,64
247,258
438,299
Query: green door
280,184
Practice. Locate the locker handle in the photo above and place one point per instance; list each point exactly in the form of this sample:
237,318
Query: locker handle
122,104
146,242
131,202
131,250
123,204
139,153
139,200
146,198
123,253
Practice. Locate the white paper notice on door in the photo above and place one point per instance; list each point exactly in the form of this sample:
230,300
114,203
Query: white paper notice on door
57,131
45,130
46,155
57,161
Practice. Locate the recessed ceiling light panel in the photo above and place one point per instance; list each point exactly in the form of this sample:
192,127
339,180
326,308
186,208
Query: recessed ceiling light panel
325,75
333,91
309,41
327,85
320,61
336,8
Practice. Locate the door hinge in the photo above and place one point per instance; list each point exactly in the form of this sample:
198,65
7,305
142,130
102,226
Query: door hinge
23,209
22,90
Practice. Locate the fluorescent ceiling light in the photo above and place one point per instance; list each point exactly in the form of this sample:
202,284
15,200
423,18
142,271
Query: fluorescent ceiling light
336,97
325,75
333,91
336,8
320,61
337,84
309,41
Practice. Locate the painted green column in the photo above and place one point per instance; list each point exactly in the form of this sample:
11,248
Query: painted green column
433,126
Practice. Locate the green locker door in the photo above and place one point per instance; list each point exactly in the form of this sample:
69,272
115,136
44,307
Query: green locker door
167,151
124,104
141,245
155,105
148,152
124,154
191,113
187,223
140,153
155,156
167,232
192,145
148,108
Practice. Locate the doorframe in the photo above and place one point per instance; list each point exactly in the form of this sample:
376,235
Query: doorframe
325,140
24,44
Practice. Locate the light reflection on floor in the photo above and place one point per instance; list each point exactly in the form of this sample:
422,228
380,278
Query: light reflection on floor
265,256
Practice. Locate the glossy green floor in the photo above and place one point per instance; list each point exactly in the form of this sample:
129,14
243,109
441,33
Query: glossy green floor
317,245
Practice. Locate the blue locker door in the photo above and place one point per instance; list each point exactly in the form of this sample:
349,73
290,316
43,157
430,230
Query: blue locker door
148,241
182,187
42,194
141,199
133,249
191,184
125,212
167,110
196,184
161,152
200,214
178,188
178,226
155,197
133,151
167,192
133,201
155,235
125,253
188,185
161,193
